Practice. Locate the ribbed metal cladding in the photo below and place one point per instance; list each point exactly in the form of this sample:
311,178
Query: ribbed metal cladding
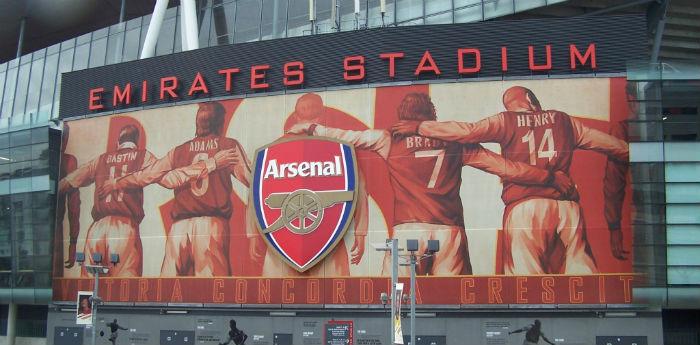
618,40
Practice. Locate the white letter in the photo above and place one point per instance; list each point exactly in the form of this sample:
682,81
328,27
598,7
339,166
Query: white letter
304,169
337,166
271,169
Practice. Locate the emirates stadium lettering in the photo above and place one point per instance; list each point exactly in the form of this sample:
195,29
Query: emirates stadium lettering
465,61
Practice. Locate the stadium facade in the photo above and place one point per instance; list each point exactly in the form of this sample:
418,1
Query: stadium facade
189,244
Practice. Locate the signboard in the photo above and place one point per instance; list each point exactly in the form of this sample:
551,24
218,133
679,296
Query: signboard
556,46
339,333
84,305
186,191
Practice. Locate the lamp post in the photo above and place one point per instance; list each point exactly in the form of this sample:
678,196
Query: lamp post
391,245
96,270
413,259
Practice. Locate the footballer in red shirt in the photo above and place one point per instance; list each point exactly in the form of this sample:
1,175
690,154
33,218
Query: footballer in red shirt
535,216
425,176
199,172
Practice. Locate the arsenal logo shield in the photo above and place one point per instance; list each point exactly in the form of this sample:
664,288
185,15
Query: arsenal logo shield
304,197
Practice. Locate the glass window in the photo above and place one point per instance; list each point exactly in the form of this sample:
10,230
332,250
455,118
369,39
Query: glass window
274,17
347,15
205,26
68,44
683,172
222,27
34,90
21,91
647,172
115,46
4,141
80,60
40,135
100,33
648,193
436,6
467,11
374,14
324,22
682,234
408,10
166,39
83,39
53,49
683,214
20,138
683,275
683,255
522,5
65,63
247,26
98,50
9,96
648,214
497,8
2,88
40,151
131,45
47,88
444,18
298,23
683,192
21,153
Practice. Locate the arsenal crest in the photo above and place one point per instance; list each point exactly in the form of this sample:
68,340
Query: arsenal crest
304,197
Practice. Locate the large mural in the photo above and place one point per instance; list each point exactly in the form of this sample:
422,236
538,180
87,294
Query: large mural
285,199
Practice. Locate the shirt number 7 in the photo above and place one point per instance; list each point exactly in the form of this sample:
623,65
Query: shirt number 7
440,154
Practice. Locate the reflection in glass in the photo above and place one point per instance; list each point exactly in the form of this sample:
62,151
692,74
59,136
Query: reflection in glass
408,10
47,88
274,18
298,23
247,21
9,96
34,90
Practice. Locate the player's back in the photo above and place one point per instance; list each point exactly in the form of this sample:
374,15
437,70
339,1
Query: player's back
544,139
426,175
210,195
123,203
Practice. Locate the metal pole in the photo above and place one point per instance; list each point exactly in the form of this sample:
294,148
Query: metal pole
413,298
20,39
122,11
95,302
394,280
11,323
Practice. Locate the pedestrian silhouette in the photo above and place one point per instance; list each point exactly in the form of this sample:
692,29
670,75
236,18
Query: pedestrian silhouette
236,335
532,334
114,328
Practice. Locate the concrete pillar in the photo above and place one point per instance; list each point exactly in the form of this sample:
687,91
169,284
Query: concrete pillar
149,44
11,323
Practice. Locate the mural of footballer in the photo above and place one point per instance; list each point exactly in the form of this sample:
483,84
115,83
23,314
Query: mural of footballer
309,108
116,215
536,217
70,202
199,172
425,176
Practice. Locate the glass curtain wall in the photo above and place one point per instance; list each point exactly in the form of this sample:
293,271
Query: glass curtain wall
30,86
